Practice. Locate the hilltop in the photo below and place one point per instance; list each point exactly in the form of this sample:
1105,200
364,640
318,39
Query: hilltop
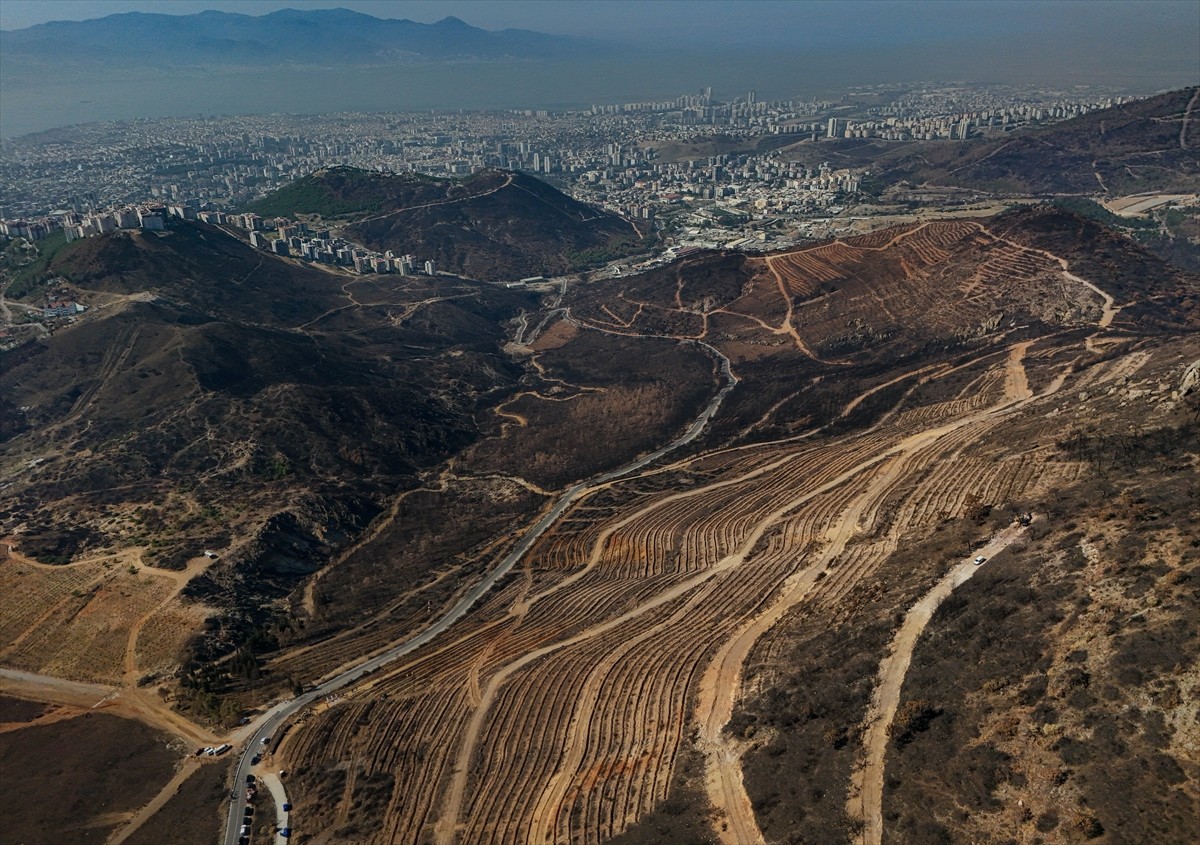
494,225
1150,144
344,192
216,397
721,616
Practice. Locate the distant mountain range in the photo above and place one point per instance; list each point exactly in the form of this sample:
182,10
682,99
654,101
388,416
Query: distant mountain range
288,36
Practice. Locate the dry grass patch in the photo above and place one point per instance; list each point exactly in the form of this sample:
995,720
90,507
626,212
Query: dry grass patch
86,635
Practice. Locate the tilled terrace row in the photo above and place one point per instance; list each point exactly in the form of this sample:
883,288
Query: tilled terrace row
652,674
532,725
430,679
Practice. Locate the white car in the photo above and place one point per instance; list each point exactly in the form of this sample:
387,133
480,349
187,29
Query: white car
980,559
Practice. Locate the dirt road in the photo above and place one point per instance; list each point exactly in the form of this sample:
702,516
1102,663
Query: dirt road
1109,309
53,690
507,181
720,687
280,714
156,803
866,800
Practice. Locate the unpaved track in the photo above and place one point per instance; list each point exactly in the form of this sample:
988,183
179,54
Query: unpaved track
156,803
52,690
1187,117
721,685
128,700
787,326
724,776
194,567
507,181
1016,383
866,793
1109,310
452,808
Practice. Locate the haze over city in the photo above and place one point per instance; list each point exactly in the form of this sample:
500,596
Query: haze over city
643,51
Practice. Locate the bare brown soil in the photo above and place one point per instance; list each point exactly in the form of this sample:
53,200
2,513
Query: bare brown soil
867,786
97,768
192,815
1072,715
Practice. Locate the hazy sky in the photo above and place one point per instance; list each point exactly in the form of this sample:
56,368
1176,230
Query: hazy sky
1151,25
782,49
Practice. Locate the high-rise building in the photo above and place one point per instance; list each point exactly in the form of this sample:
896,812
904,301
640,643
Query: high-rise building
149,220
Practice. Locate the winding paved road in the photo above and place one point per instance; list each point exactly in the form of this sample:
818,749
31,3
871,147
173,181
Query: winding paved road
275,718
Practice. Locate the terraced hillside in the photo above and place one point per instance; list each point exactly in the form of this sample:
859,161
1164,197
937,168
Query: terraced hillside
721,503
881,385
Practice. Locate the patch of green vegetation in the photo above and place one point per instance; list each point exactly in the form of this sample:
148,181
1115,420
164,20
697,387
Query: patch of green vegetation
25,277
1175,216
596,256
1094,211
338,192
311,198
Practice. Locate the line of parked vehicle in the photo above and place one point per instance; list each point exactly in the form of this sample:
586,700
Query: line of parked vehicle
213,750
